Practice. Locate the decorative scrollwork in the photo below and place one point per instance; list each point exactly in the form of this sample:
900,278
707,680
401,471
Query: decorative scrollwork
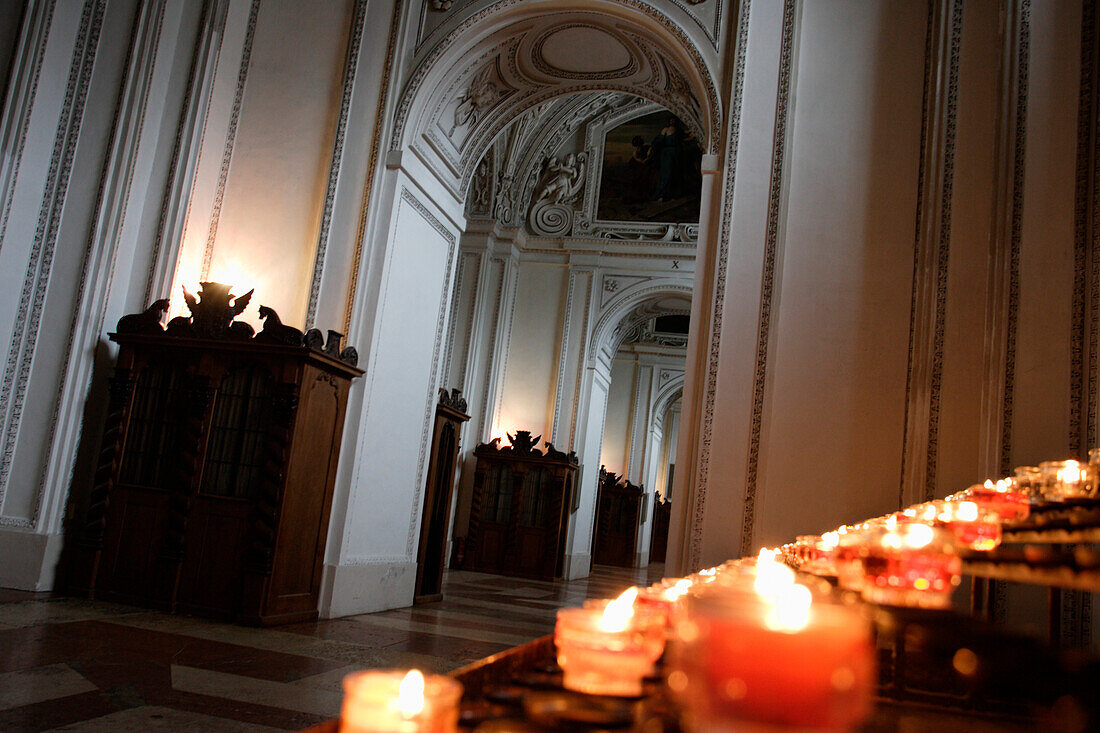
550,219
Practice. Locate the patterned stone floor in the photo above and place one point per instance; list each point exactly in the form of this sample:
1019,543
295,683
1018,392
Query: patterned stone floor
77,665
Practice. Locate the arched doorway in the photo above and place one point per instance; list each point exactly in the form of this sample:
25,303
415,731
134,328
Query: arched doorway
488,71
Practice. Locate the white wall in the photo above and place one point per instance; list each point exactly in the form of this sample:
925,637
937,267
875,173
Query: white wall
371,554
527,401
258,197
615,452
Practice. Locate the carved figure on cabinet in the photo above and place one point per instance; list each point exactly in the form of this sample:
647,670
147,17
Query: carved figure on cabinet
275,331
148,321
212,313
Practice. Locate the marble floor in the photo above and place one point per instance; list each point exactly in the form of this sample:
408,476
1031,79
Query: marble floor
77,665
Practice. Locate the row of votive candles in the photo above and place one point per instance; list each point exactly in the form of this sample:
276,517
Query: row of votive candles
911,557
747,645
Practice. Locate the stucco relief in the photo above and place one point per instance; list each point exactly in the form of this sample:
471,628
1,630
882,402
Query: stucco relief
472,100
483,90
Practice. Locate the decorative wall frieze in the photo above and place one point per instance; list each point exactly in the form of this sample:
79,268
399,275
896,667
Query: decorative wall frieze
710,344
17,368
1020,18
931,250
230,139
1086,286
351,63
772,246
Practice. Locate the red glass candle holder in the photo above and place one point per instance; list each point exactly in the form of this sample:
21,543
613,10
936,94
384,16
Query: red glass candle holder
371,704
601,662
731,670
911,565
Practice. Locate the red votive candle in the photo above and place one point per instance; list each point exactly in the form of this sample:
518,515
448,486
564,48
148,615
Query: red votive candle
391,701
607,651
1002,498
911,565
739,661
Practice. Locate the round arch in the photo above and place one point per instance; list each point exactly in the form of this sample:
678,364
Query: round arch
606,331
498,63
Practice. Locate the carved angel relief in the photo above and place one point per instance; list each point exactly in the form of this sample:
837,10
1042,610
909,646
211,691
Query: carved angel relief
562,181
559,186
479,96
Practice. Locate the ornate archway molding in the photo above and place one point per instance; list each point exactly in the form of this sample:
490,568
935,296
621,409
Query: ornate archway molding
515,55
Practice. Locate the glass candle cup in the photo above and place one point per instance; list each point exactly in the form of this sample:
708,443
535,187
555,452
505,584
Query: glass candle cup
1005,498
597,661
974,527
376,701
1066,480
731,668
1029,480
847,558
911,565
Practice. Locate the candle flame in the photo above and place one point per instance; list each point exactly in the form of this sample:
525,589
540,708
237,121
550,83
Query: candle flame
680,588
967,511
616,616
919,535
410,694
771,577
789,610
1072,473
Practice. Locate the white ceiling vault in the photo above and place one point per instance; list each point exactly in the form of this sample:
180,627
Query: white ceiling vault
491,62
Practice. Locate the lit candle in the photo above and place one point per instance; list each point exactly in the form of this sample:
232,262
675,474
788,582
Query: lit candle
911,564
973,526
384,701
661,599
775,656
1003,497
608,650
1065,480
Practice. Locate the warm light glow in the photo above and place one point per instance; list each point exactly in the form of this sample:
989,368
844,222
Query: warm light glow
681,587
618,613
892,521
789,609
1072,473
830,540
966,511
919,535
410,695
988,483
772,578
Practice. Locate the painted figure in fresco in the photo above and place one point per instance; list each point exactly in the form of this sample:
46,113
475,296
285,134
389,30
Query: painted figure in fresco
667,151
641,171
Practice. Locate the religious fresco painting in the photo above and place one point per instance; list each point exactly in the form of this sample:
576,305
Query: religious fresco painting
651,172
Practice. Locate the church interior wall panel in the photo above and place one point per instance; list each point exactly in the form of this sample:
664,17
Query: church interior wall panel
399,380
530,379
972,204
579,545
224,87
615,452
720,482
53,272
280,161
838,366
1041,397
372,77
